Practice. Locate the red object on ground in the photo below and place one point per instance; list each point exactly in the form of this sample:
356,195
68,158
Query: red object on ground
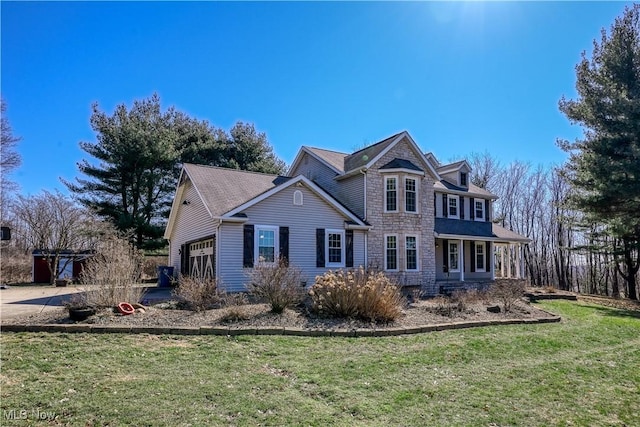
126,308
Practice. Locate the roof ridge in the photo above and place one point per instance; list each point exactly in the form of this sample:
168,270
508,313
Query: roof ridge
379,142
233,170
324,149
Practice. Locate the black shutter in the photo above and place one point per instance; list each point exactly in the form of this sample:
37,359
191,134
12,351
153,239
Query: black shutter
284,245
461,207
349,248
445,255
473,256
472,208
247,253
486,210
434,205
487,255
445,208
320,247
184,259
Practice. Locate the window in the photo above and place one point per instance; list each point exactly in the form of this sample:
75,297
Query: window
411,252
391,194
453,257
463,179
479,209
480,257
266,243
334,243
411,195
391,252
453,202
297,198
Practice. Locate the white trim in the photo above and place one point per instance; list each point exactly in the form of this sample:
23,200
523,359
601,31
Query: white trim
482,245
452,167
467,193
342,248
385,253
417,193
457,199
313,187
417,237
256,242
457,245
462,260
475,212
397,190
298,198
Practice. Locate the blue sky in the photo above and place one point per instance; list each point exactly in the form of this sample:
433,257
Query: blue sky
460,77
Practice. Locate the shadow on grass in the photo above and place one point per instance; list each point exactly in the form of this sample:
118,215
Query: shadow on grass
616,312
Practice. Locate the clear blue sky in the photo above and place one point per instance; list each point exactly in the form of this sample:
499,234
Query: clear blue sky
460,77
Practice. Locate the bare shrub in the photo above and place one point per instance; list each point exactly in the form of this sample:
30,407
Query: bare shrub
151,264
15,266
198,294
279,284
507,292
448,306
550,289
357,293
109,277
235,313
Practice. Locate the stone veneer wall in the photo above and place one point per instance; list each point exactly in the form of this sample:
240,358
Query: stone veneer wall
402,223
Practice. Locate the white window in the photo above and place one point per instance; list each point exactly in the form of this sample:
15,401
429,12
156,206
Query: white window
410,195
266,243
479,210
391,252
480,256
298,198
454,257
411,253
391,194
334,248
454,204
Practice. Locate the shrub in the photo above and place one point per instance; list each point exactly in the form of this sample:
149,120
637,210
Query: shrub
109,277
198,294
279,284
507,292
15,266
448,306
357,293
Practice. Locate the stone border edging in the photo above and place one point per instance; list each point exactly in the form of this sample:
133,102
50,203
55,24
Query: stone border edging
269,330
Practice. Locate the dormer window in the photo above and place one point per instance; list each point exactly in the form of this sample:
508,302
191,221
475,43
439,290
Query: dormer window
463,179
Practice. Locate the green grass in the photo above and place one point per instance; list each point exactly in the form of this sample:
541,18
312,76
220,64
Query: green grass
583,371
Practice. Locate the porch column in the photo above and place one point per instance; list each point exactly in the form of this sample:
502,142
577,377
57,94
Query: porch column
503,270
518,261
509,261
461,261
492,261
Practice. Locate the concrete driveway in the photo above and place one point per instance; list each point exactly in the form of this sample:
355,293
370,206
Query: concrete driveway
25,300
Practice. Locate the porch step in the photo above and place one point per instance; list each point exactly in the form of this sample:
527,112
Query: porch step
449,288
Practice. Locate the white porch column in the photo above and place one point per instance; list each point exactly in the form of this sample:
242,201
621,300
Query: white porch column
503,270
492,261
461,260
518,261
509,261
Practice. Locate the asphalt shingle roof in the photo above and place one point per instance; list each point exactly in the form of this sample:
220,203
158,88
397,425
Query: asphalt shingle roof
334,158
446,185
401,164
362,157
482,229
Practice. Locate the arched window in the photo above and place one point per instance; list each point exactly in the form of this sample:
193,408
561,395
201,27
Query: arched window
297,198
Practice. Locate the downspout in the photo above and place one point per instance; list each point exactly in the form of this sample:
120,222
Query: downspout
363,171
217,249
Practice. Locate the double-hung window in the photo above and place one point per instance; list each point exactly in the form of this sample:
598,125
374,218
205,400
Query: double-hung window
410,195
411,253
390,194
266,243
335,248
454,206
391,252
479,210
480,256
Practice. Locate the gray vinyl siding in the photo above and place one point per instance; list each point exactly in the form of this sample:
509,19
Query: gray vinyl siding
192,222
350,192
317,172
279,210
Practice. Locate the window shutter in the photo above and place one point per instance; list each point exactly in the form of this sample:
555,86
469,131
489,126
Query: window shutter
461,207
284,245
487,255
435,213
473,256
445,206
349,248
445,254
247,253
486,210
184,259
472,209
320,247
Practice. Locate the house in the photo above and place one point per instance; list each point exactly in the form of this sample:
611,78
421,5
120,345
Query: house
388,206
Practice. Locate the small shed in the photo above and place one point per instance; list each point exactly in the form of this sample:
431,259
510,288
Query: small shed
70,264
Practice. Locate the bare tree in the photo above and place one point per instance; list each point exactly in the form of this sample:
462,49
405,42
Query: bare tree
53,223
486,170
9,159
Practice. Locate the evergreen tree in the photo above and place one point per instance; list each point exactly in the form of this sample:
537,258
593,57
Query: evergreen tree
604,165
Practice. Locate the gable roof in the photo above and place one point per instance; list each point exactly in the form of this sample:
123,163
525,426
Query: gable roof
364,156
453,166
444,186
333,159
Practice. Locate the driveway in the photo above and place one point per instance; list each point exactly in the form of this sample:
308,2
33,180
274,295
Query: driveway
25,300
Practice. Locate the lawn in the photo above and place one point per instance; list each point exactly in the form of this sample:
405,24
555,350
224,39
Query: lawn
582,371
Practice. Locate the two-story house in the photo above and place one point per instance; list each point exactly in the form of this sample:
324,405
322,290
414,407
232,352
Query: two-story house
387,206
